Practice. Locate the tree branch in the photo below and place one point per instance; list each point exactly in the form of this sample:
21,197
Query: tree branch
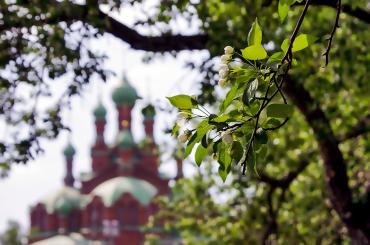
334,165
335,26
360,128
357,12
285,181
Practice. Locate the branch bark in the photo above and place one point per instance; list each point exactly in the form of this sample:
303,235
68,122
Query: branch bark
353,215
360,128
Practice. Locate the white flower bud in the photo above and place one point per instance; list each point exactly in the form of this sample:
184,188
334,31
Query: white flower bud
223,74
182,118
225,58
184,137
222,83
227,137
229,50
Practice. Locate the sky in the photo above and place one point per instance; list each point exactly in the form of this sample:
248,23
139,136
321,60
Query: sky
165,76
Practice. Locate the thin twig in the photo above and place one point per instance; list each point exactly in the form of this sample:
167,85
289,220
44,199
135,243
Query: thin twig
288,54
335,26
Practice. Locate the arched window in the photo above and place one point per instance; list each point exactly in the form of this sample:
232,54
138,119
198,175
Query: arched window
121,215
133,214
96,218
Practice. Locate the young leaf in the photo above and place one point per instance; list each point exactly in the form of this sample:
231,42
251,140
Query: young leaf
201,130
301,42
183,101
275,57
255,34
200,153
283,8
223,172
254,52
175,129
236,151
271,123
279,110
229,98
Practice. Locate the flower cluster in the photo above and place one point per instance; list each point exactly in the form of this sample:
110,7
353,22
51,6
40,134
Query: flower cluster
224,69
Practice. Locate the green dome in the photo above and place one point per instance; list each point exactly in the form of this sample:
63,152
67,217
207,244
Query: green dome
125,139
125,94
100,111
63,201
111,190
69,151
148,112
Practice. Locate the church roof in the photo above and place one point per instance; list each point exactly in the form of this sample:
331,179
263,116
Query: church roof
111,190
63,201
69,151
125,94
100,111
71,239
148,112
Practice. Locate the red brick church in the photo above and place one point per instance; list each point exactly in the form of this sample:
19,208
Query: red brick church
115,199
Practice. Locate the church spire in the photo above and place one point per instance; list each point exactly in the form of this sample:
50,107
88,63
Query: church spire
125,97
69,153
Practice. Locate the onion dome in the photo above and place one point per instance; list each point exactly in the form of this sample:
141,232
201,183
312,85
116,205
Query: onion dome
111,190
148,112
69,151
125,94
125,139
100,111
63,201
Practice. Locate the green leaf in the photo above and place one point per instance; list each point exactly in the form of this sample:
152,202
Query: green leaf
255,34
279,110
253,107
301,42
261,137
183,101
283,8
254,52
276,57
201,130
200,153
271,123
223,172
229,98
236,151
175,129
224,157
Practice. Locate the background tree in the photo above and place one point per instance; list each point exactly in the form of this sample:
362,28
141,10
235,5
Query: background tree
12,235
43,40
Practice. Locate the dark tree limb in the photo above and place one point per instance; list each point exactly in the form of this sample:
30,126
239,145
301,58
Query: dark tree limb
285,181
357,12
335,170
360,128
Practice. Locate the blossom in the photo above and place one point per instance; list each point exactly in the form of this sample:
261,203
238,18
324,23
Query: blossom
222,82
223,73
182,118
225,58
229,50
227,137
224,67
